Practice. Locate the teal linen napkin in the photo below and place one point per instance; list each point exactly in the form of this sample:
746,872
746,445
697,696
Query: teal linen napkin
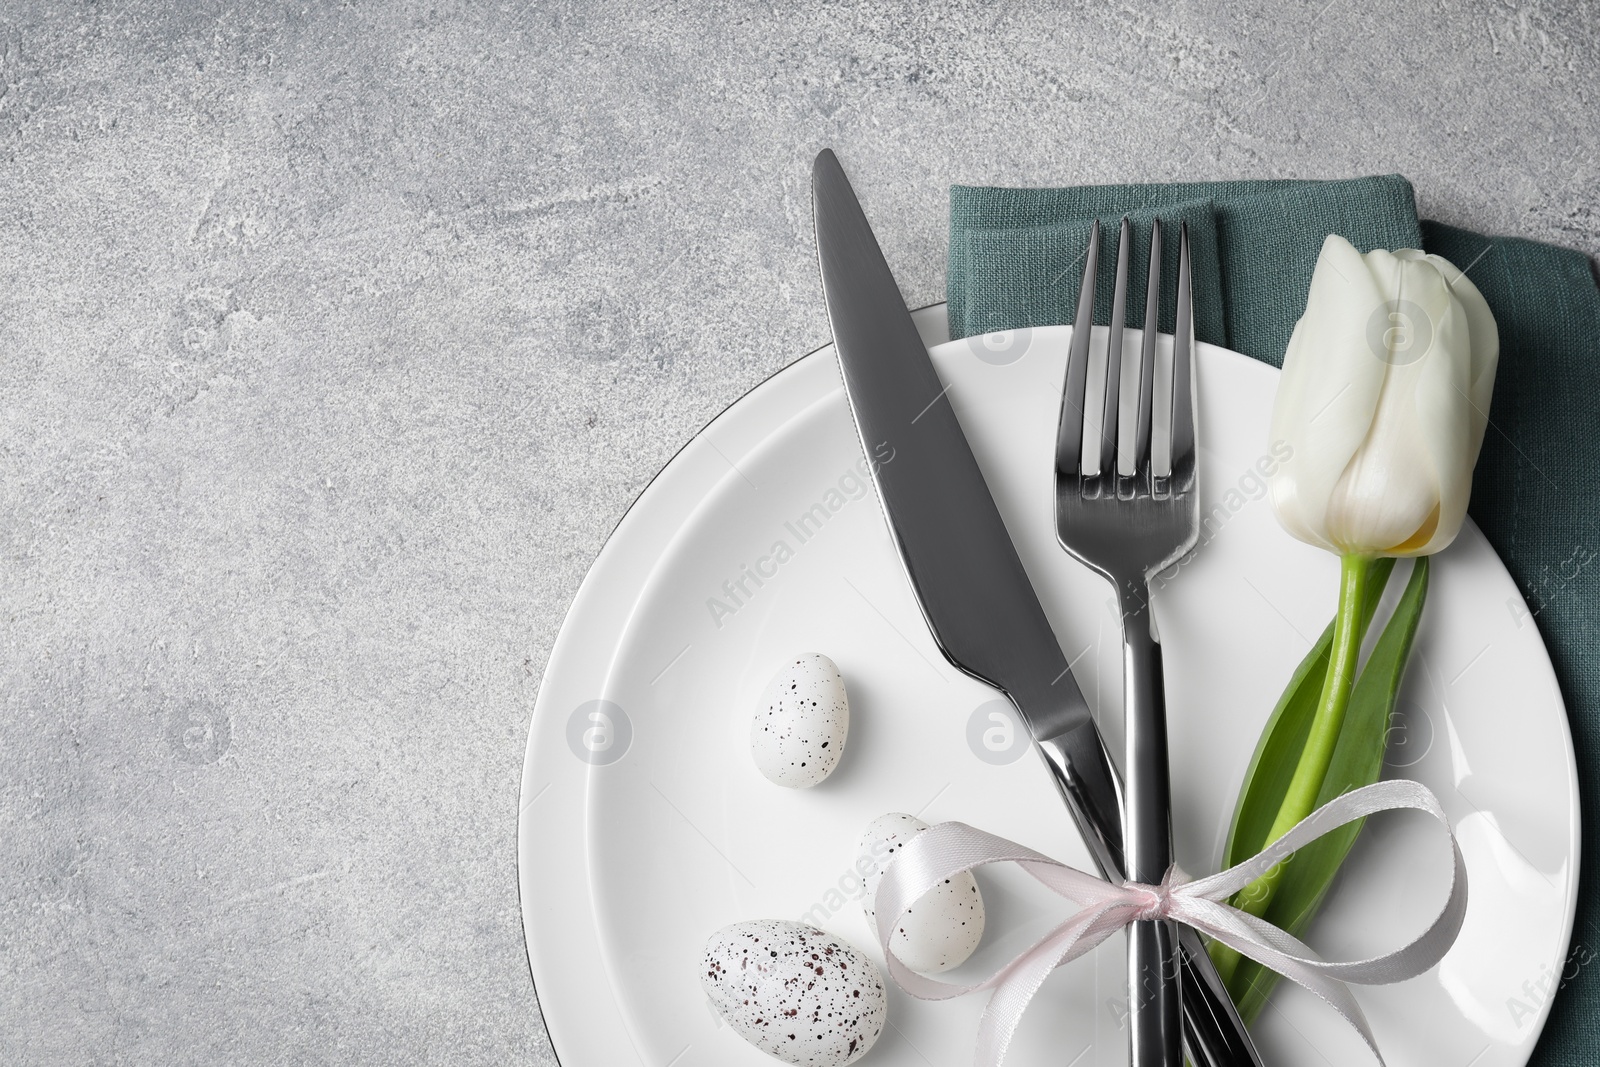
1537,486
1263,236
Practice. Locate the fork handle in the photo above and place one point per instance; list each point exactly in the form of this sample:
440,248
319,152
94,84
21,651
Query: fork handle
1155,1001
1214,1036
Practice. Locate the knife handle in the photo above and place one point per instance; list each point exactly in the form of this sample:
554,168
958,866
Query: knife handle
1213,1033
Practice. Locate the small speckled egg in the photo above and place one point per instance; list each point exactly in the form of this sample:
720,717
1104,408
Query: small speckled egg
799,731
795,992
942,928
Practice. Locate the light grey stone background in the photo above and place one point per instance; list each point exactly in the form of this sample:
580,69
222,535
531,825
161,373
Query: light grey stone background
336,337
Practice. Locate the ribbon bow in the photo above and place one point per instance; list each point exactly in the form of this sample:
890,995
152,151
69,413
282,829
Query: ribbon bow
950,848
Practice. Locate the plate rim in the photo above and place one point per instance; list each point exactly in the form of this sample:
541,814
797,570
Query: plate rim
524,805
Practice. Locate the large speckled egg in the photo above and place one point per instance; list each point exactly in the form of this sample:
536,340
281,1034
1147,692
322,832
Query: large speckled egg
944,926
795,992
799,731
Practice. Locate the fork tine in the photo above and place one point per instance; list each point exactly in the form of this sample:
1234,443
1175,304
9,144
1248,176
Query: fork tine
1182,451
1119,321
1069,435
1147,355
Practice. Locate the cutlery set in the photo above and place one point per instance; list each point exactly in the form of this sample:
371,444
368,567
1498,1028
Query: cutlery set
1126,506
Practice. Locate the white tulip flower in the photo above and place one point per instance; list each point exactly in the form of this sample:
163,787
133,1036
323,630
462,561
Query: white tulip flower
1382,405
1384,399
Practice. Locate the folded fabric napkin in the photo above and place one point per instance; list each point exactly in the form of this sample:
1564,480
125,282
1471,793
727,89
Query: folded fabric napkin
1015,258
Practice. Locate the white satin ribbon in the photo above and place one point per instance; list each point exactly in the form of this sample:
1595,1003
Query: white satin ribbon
947,849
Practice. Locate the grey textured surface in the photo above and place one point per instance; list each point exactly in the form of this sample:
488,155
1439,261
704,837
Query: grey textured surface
336,338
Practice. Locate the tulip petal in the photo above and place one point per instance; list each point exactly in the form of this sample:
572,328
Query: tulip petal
1453,406
1484,335
1390,492
1444,416
1328,392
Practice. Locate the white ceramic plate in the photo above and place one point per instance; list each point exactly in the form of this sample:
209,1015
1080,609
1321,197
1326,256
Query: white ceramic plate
647,828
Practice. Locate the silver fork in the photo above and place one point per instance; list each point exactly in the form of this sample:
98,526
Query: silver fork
1129,518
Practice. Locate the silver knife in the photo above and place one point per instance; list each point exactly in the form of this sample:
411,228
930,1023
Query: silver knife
968,579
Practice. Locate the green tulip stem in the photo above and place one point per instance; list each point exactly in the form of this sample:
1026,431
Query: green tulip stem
1306,785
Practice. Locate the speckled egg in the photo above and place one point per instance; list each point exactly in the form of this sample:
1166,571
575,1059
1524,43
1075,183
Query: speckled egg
941,929
795,992
799,731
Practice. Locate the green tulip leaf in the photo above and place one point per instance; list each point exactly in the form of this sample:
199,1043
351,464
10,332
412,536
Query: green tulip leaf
1357,761
1284,738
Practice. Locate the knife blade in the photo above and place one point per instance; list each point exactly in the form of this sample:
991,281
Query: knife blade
968,579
